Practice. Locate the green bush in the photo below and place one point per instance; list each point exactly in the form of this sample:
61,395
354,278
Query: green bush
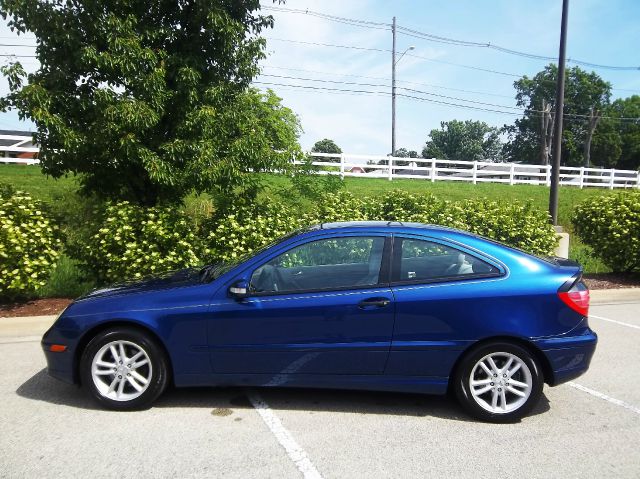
610,225
248,228
67,280
133,242
515,224
29,244
519,225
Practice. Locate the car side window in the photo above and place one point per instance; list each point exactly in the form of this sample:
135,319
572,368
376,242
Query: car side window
325,264
422,260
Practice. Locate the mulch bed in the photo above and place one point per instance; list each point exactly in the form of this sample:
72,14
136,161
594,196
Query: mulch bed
36,307
612,280
41,307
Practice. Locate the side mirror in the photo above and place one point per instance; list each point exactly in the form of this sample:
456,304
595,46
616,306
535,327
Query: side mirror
238,289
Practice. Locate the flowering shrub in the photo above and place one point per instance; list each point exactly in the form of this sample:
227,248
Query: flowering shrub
519,225
515,224
248,228
133,242
29,244
611,226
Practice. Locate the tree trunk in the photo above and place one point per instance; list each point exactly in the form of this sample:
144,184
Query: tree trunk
546,132
592,123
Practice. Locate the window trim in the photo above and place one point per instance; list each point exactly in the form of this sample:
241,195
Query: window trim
384,274
397,252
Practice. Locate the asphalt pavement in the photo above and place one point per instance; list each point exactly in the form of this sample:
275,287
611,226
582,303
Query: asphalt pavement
587,428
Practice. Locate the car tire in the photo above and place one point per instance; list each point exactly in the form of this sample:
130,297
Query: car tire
499,382
124,369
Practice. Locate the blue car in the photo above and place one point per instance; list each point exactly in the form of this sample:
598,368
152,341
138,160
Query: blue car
362,305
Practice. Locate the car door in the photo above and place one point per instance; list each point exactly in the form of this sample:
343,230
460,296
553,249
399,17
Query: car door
442,292
324,306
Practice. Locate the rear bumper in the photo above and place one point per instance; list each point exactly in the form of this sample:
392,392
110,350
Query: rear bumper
569,357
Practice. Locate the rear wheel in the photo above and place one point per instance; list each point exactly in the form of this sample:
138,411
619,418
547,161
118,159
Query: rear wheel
123,368
499,382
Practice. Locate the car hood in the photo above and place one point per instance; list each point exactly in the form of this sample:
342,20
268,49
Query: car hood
171,279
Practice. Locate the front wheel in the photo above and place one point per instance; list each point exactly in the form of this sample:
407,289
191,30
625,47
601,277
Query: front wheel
123,368
499,382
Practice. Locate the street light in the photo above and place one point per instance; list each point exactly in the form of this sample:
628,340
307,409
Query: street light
394,62
410,48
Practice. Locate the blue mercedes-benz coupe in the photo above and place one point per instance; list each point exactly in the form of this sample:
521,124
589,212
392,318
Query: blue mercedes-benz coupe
363,305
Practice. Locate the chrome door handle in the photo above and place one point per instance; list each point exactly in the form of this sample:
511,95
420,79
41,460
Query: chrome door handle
374,303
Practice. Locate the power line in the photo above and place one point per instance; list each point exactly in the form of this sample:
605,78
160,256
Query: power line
451,41
401,88
333,45
383,50
408,82
330,89
17,45
446,40
494,107
19,56
333,18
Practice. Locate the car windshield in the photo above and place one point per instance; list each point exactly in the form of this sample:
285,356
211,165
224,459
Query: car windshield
213,271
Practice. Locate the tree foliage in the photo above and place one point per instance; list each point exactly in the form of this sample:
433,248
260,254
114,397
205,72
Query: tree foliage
404,153
326,146
464,141
629,131
584,92
149,100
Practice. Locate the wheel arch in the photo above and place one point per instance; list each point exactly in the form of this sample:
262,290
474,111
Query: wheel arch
545,365
97,329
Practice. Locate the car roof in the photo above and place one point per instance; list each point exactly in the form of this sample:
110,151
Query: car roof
382,224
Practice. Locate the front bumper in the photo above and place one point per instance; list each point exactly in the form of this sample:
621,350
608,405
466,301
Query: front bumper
569,357
60,365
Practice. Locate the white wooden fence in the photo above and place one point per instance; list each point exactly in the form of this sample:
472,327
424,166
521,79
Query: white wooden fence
16,144
471,171
428,169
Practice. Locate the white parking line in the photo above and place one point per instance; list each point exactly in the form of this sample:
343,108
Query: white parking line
284,437
634,326
600,395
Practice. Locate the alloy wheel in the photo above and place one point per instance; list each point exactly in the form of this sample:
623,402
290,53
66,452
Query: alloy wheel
500,382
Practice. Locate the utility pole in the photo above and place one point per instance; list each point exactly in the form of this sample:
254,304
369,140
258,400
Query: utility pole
557,134
393,89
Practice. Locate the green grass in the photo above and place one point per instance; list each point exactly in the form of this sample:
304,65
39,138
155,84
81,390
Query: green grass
30,178
60,195
569,196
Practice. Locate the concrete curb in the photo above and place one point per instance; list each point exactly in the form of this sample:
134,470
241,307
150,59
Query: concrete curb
622,295
25,326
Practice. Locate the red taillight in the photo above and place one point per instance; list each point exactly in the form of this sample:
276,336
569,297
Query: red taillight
577,298
57,348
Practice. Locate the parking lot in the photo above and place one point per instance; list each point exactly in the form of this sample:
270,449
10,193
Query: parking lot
587,428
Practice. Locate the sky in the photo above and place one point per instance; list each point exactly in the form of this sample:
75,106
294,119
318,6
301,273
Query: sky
599,31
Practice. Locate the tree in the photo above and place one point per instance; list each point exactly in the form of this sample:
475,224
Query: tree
629,130
404,153
464,141
326,146
587,96
146,101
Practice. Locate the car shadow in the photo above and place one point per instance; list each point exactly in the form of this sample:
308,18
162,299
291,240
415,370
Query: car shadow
41,387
